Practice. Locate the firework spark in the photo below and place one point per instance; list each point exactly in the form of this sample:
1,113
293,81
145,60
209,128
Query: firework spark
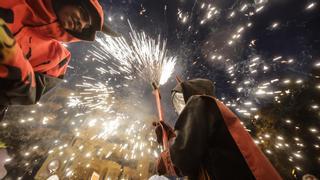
139,56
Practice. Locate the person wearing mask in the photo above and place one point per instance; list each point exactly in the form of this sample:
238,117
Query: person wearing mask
208,140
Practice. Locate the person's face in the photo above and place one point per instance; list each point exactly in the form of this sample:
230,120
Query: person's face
74,18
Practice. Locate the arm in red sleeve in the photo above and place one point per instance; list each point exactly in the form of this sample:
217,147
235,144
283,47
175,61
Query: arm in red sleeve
17,82
17,78
47,80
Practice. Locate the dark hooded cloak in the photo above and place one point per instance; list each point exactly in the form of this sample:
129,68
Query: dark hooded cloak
211,139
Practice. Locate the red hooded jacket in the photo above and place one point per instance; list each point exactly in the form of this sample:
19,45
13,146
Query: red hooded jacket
40,57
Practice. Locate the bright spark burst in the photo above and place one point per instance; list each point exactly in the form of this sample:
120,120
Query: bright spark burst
95,95
140,55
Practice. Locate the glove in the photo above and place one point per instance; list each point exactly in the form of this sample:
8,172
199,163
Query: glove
7,43
167,128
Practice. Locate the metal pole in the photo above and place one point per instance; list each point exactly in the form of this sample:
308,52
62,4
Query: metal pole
168,163
156,92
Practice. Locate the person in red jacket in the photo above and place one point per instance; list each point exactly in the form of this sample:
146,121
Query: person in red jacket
208,140
32,57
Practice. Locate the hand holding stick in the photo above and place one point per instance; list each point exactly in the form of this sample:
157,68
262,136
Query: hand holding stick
165,159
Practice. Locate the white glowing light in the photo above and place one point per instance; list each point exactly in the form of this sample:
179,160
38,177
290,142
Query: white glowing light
232,14
88,155
244,7
268,151
184,19
288,121
259,9
280,138
277,58
275,25
92,123
240,29
310,6
260,92
297,155
7,160
203,5
69,173
248,103
299,81
287,81
290,61
109,129
313,130
4,125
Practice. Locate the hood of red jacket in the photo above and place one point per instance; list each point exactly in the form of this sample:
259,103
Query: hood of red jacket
95,11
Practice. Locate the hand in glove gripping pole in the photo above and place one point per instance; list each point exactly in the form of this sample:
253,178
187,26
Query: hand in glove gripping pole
165,165
7,43
159,128
164,135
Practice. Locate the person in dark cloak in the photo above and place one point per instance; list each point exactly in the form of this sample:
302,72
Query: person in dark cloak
208,140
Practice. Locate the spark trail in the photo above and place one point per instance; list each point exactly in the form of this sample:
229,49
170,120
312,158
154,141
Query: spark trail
140,56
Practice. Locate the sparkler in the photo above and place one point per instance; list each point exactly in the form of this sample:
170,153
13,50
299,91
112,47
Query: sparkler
139,56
